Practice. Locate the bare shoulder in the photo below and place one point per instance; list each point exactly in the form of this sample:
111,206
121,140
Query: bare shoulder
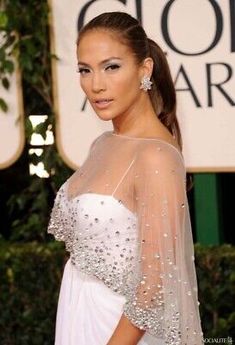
167,137
159,151
163,134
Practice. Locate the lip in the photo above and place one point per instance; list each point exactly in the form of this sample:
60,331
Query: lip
102,103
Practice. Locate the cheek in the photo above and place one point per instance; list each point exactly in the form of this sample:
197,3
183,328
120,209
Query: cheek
84,83
126,83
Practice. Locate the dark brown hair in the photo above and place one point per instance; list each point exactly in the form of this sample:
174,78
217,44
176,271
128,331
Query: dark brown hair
162,94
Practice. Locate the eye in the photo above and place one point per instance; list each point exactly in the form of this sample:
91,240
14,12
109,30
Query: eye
112,67
83,70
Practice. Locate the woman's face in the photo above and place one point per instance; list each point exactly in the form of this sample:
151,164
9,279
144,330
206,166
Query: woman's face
109,74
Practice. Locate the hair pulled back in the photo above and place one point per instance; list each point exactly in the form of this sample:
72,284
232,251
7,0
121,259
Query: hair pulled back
131,33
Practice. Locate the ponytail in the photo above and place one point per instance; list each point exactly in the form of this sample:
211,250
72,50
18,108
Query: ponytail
163,95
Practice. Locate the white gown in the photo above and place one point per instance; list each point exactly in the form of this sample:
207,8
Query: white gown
88,311
124,219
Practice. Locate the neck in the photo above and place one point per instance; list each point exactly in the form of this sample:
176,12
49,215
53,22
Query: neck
139,120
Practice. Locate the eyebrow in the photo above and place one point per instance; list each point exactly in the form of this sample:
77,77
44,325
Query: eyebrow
102,62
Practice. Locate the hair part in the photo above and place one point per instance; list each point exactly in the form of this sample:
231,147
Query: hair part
162,94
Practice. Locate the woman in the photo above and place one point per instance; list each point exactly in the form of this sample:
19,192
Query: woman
123,215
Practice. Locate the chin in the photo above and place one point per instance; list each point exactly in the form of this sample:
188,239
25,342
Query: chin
104,117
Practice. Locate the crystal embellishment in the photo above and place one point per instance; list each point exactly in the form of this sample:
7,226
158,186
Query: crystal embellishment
146,83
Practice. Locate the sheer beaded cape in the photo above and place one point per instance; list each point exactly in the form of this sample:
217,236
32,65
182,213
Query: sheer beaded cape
124,218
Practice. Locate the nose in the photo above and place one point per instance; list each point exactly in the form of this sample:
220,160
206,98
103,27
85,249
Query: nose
98,82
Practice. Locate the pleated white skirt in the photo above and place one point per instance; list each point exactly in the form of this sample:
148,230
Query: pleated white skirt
88,311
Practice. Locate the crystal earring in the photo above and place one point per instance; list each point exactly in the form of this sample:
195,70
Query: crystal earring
145,83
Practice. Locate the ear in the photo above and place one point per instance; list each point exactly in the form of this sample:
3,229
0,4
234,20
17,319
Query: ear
147,67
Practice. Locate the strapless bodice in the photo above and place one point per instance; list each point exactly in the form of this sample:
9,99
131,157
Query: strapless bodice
100,233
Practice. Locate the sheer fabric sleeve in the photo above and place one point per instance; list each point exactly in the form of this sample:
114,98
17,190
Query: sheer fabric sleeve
61,223
164,300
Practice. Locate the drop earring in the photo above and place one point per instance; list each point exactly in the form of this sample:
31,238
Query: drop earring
145,83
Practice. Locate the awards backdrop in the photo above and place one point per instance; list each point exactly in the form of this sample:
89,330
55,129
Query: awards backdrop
199,39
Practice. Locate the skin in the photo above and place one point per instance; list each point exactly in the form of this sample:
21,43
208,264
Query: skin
110,78
108,70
